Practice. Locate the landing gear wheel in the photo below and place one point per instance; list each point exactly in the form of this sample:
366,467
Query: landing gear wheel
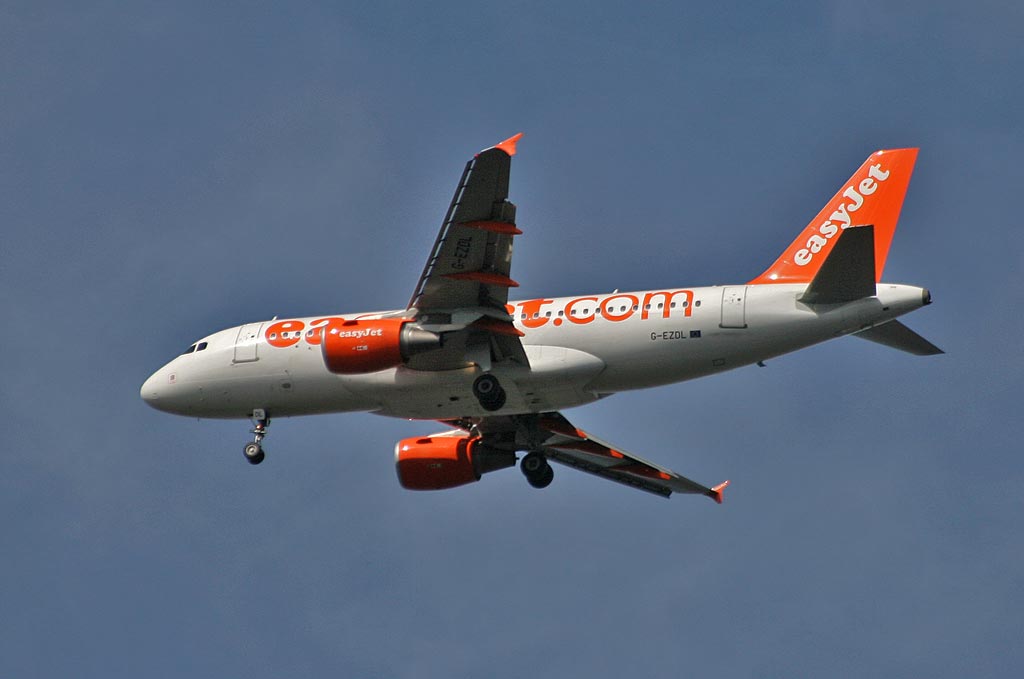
537,471
488,392
254,453
544,479
533,464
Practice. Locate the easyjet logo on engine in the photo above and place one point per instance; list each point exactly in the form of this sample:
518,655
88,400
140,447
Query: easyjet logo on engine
358,334
841,218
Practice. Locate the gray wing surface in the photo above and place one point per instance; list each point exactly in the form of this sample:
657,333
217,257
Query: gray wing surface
463,289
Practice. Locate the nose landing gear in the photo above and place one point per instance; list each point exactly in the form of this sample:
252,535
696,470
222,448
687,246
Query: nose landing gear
537,471
254,451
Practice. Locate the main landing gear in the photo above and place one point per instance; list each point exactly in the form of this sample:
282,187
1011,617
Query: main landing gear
254,451
537,471
488,392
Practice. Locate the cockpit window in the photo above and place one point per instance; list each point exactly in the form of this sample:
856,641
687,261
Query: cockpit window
201,346
189,350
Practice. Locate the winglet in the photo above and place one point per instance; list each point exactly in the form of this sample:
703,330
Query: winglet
716,492
509,145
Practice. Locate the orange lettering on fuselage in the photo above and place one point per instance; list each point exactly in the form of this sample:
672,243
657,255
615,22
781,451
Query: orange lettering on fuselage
615,308
533,317
570,311
533,313
288,333
666,300
284,333
625,310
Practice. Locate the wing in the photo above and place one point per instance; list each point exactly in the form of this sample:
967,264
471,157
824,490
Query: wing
554,436
464,285
575,448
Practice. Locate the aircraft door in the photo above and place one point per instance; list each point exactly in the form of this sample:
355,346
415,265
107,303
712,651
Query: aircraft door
247,343
734,307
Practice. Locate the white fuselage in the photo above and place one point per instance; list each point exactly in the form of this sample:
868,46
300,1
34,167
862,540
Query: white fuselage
580,349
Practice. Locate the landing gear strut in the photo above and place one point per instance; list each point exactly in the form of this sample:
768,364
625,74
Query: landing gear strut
537,471
254,451
488,392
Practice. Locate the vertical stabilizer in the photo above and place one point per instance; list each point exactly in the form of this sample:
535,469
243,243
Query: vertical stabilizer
873,195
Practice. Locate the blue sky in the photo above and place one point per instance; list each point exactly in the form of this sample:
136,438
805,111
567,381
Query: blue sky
169,169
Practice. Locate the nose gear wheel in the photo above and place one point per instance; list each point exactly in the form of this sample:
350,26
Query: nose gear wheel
254,451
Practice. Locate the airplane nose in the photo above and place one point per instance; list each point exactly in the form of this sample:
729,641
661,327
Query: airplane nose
149,391
165,392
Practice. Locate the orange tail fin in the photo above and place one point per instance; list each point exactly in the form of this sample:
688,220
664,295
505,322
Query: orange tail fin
873,195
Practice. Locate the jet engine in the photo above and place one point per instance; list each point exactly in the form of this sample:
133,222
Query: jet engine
439,462
356,347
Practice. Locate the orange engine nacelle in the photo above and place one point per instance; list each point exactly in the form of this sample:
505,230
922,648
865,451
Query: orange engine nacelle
439,462
356,347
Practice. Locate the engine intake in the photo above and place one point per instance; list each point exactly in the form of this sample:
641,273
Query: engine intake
439,462
356,347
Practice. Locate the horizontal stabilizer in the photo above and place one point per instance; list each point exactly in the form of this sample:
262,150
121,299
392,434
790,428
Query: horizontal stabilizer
848,273
898,336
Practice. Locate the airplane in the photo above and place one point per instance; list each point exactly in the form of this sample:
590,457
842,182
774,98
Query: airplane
499,373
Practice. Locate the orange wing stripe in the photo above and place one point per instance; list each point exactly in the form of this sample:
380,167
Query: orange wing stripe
588,446
494,227
638,469
563,428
